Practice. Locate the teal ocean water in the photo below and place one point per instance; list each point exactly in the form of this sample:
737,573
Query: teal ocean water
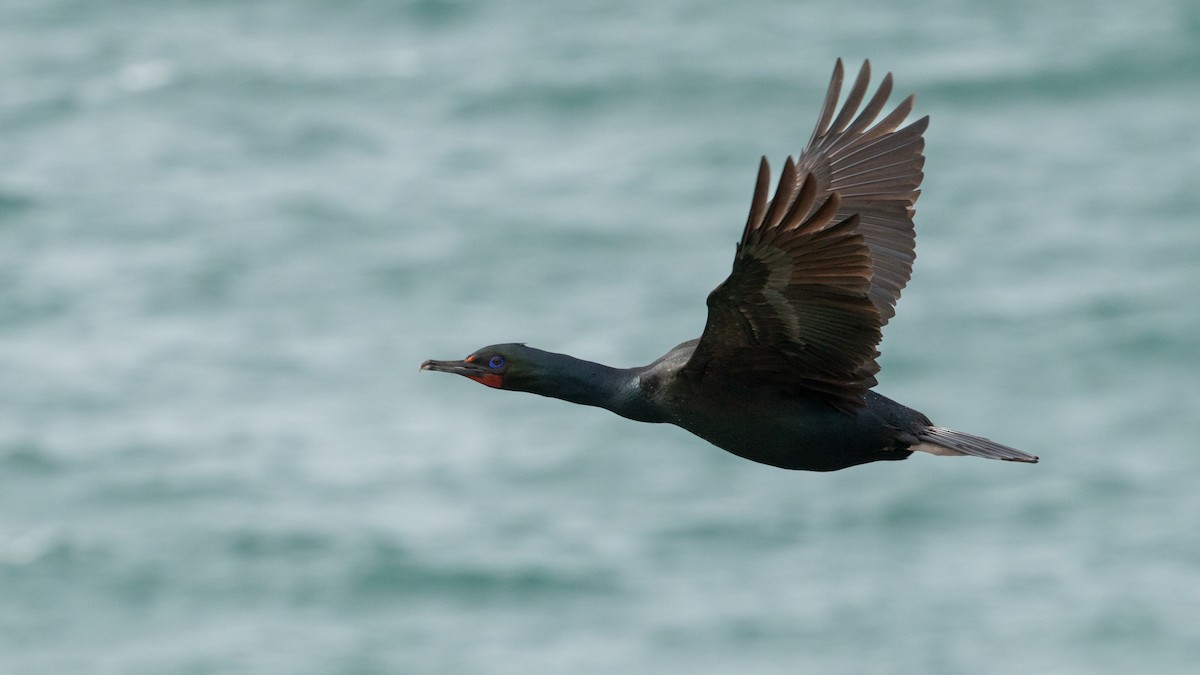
230,232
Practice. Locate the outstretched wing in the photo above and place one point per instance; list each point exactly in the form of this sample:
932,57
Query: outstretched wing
877,171
819,268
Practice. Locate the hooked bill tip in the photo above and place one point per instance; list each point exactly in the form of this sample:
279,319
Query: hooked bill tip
444,366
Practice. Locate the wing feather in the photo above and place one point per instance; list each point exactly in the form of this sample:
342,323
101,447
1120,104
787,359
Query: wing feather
820,266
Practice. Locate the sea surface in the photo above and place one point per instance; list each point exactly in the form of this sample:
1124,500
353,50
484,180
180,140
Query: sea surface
231,231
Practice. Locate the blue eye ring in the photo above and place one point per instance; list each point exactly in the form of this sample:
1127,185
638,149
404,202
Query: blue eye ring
496,361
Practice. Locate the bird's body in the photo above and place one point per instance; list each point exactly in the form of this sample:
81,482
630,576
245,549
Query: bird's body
792,431
783,371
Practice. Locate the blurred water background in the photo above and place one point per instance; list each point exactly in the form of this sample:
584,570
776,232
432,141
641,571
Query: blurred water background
230,231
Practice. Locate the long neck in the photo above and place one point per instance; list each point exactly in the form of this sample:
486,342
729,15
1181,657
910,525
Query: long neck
587,383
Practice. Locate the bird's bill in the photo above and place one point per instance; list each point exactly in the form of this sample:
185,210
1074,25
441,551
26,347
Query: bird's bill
467,369
457,367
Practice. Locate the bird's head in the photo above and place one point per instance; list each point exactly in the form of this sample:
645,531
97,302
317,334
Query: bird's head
497,366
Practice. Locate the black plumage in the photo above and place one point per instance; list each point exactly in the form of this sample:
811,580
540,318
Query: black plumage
783,371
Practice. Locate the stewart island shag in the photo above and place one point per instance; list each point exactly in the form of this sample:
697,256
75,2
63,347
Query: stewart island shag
783,371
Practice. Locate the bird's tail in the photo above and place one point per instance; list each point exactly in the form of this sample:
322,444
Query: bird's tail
942,441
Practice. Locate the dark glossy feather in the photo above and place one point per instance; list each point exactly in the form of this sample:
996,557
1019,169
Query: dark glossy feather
819,267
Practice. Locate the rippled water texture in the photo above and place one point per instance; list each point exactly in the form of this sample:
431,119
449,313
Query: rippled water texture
229,233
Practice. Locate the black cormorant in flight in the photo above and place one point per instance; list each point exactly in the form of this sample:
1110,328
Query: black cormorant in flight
783,371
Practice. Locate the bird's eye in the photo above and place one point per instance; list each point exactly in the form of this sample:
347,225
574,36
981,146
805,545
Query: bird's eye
496,361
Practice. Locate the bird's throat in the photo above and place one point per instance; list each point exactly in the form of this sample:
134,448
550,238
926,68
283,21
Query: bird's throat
489,379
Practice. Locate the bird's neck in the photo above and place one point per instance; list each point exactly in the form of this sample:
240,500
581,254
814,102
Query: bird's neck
587,383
